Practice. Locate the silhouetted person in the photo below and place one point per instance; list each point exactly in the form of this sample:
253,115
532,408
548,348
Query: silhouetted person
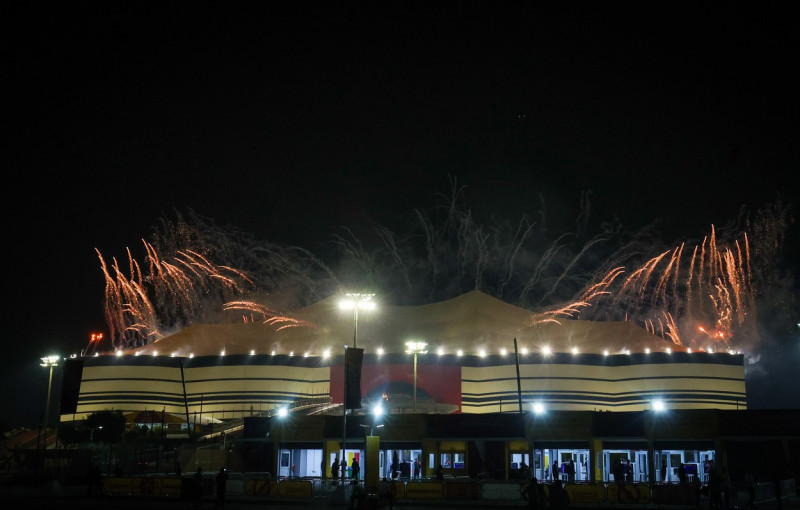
714,489
708,466
559,500
750,482
221,482
619,472
356,467
664,471
197,486
335,469
439,472
725,480
388,491
524,472
534,494
697,490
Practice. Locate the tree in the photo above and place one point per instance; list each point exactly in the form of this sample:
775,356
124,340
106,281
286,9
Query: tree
104,427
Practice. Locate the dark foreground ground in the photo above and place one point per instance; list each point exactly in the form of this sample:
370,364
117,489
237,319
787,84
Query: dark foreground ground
69,498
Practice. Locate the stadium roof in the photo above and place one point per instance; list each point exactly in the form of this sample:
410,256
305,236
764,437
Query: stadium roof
471,322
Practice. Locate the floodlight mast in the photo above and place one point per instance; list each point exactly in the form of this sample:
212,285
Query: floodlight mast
416,348
355,301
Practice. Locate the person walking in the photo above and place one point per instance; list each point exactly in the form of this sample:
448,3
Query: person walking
559,499
388,492
221,483
750,482
197,486
534,494
682,473
725,480
356,469
335,469
715,489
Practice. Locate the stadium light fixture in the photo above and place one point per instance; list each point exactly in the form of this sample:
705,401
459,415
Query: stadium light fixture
356,301
50,362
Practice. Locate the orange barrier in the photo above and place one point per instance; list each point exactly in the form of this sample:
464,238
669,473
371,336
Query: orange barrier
422,490
628,493
144,485
261,488
294,489
674,495
117,485
586,493
462,490
171,486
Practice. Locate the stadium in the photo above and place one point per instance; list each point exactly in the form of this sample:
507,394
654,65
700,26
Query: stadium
484,389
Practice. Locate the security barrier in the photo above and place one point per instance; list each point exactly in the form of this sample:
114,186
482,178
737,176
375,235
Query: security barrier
118,485
261,488
626,494
170,487
235,487
294,489
462,490
421,490
591,493
669,494
242,486
500,491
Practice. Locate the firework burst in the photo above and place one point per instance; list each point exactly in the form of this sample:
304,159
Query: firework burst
699,294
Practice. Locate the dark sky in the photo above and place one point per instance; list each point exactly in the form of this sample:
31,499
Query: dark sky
288,124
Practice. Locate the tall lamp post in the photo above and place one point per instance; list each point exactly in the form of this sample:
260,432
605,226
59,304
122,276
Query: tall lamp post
91,433
416,348
51,362
352,301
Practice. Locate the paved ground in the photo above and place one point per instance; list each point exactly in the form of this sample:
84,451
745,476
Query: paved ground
74,498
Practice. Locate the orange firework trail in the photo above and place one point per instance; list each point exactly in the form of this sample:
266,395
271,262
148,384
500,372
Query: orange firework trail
269,316
138,306
712,294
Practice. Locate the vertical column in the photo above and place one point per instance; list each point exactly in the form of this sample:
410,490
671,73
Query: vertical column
596,460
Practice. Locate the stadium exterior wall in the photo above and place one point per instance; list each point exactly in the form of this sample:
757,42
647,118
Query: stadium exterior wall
236,386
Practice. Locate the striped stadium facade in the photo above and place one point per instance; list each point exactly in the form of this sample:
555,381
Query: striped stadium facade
220,387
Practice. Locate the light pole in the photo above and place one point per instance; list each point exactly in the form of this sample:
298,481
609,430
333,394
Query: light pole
354,301
91,433
416,348
51,362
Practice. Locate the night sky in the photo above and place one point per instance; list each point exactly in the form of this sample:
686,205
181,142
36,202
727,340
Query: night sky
289,124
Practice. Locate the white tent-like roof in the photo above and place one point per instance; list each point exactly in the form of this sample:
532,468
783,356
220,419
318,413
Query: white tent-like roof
471,322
